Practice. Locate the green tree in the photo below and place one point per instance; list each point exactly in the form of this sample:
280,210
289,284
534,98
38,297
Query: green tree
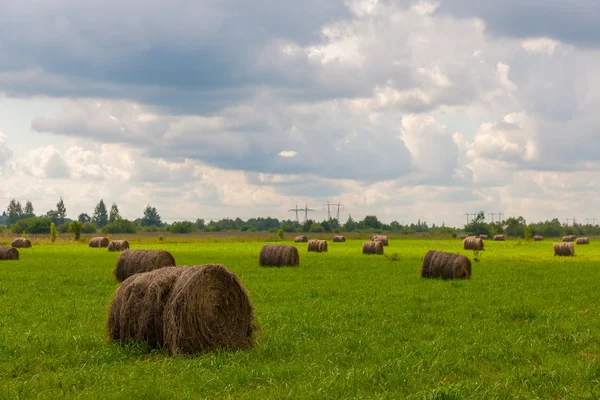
478,226
61,211
114,213
75,227
316,227
53,215
182,227
14,212
371,221
100,217
151,217
53,233
350,225
83,218
28,211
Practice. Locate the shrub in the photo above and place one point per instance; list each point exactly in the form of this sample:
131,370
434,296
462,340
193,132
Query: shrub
151,228
53,232
182,227
89,227
120,226
75,227
19,227
316,227
280,234
272,230
63,228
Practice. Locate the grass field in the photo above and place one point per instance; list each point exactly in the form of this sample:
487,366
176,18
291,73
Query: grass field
342,325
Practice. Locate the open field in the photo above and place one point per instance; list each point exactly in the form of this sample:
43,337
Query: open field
342,325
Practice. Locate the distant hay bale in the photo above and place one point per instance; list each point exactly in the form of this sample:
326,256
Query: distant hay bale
207,309
374,235
279,255
319,246
439,264
21,243
483,237
564,249
133,262
473,243
338,239
499,238
99,242
538,238
301,239
569,238
8,253
380,238
118,245
583,240
463,236
372,247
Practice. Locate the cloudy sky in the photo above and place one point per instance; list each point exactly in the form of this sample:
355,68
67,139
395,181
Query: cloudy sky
223,108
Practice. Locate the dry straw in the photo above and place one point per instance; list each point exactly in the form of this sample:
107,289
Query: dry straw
133,262
564,249
439,264
118,245
583,240
473,243
372,247
499,238
538,238
279,255
99,242
380,238
319,246
301,239
21,243
339,239
8,253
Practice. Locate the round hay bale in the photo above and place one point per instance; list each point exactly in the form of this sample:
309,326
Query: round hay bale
208,308
565,249
301,239
279,255
583,240
567,239
8,253
483,237
463,236
133,262
99,242
473,243
538,238
319,246
136,311
439,264
380,238
339,239
499,238
372,247
118,245
21,243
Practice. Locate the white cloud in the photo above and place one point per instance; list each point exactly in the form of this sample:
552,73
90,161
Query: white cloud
287,153
540,45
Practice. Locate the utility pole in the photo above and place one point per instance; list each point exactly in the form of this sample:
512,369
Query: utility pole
296,210
338,210
492,215
328,205
591,219
306,210
567,221
469,215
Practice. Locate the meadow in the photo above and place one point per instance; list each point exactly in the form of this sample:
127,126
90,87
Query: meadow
342,325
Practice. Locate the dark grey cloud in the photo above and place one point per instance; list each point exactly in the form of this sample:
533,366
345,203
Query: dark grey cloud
571,21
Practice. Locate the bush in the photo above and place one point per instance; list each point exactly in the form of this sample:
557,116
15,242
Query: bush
182,227
63,228
19,227
151,228
280,234
272,230
89,227
32,225
53,232
75,227
316,227
120,226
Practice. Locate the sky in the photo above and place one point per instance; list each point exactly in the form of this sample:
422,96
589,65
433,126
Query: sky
227,108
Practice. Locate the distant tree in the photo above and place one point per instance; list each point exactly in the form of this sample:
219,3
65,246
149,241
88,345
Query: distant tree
478,226
14,211
316,227
75,227
151,217
350,225
28,211
53,233
114,213
371,221
100,217
61,211
89,227
120,226
182,227
200,225
83,218
53,215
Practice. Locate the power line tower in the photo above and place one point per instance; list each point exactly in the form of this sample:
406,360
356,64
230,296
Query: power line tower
593,221
338,210
567,221
306,210
469,215
329,205
296,211
492,215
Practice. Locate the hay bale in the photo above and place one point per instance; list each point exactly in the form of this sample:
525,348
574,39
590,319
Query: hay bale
136,311
118,245
372,247
463,236
21,243
380,238
279,255
439,264
564,249
301,239
567,239
499,238
99,242
208,308
583,240
483,237
538,238
319,246
473,243
133,262
338,239
8,253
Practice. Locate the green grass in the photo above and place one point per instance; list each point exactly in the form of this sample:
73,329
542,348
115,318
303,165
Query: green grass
342,325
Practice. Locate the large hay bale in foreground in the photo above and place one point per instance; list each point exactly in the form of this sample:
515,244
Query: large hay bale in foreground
133,262
372,247
99,242
339,239
279,255
21,243
583,240
208,308
301,239
483,237
380,238
439,264
538,238
8,253
564,249
118,245
499,238
473,243
319,246
136,311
